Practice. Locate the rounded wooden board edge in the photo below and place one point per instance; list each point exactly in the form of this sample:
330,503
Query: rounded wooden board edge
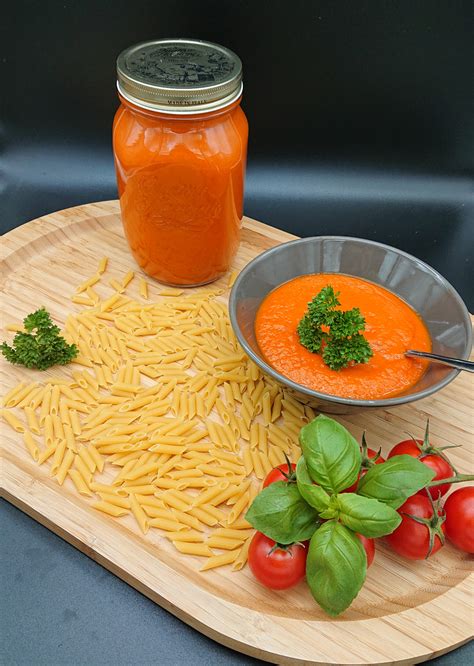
400,626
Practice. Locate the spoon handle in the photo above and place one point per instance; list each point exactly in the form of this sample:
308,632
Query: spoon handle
458,363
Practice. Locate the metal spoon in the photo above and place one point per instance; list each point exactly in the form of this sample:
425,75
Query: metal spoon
458,363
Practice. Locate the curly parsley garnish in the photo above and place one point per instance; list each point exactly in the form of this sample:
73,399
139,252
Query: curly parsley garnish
335,334
40,346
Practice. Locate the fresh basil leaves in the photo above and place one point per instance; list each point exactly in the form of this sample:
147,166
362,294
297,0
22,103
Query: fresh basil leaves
336,567
332,455
313,494
282,514
394,481
290,512
368,516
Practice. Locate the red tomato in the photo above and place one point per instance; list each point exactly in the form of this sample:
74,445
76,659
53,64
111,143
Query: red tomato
370,454
459,508
413,539
434,461
279,473
369,547
276,567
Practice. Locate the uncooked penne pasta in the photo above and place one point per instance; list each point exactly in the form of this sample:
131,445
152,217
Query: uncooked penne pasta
64,466
110,509
32,421
192,548
242,557
13,421
220,560
31,445
78,480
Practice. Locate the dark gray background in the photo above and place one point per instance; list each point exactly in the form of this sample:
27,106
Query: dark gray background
361,123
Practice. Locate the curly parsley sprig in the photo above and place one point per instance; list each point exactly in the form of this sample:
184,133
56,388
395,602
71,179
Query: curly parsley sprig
335,334
41,346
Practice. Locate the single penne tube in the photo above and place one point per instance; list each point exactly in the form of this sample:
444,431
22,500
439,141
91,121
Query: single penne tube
220,560
191,548
88,283
48,430
102,265
79,482
127,278
238,508
32,421
96,457
143,288
58,456
117,500
64,466
223,543
31,445
242,557
13,421
70,439
10,400
140,515
47,453
247,459
45,405
54,403
110,509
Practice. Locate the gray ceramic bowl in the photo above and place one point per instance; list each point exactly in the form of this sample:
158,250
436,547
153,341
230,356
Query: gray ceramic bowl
418,284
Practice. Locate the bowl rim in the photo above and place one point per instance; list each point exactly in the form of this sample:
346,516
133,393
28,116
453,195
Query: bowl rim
327,397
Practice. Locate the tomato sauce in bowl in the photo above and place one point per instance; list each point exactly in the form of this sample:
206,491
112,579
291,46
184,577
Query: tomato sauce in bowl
391,327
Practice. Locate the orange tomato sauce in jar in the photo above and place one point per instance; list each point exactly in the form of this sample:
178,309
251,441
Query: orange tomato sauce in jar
391,327
180,151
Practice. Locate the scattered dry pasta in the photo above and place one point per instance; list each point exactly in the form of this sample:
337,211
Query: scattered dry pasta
162,418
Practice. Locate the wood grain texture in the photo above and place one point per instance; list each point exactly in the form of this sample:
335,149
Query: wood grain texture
406,612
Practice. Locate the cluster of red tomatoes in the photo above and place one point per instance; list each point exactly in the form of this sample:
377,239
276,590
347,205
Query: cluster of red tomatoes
425,522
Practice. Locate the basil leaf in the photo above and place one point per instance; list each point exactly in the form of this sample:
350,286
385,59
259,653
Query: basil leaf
396,480
366,515
281,514
336,567
332,455
314,495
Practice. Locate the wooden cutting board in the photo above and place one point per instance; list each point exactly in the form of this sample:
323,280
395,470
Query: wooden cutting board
406,613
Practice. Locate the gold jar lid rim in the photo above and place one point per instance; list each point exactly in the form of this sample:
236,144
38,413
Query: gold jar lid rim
179,76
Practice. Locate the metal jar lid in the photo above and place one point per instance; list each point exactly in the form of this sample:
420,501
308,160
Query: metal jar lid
180,76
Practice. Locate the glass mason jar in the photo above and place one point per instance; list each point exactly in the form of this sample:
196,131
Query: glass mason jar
180,147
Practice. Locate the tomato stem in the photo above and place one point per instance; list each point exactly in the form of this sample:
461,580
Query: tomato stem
457,478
